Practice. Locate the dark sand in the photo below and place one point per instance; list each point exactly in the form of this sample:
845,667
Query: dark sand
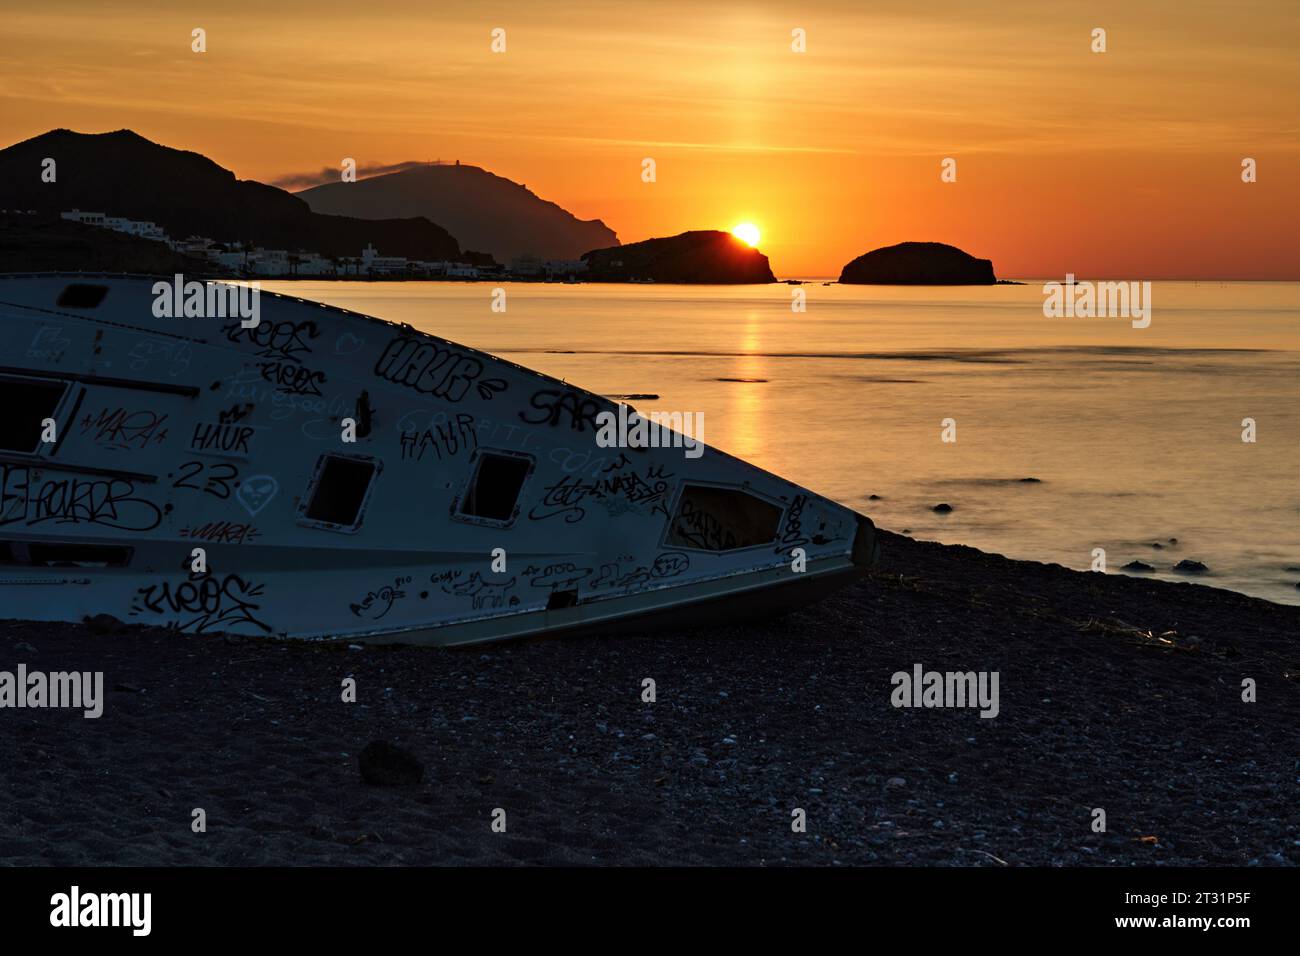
751,721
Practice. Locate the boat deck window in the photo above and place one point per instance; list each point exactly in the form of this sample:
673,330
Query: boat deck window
339,491
81,295
722,519
493,493
24,405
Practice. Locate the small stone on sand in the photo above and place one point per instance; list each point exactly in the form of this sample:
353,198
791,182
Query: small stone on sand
384,764
103,624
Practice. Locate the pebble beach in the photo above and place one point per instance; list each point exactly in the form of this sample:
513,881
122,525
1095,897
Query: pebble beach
1116,693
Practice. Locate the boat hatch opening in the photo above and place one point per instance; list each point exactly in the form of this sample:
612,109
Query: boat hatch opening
493,492
81,295
24,406
558,600
337,495
70,554
722,519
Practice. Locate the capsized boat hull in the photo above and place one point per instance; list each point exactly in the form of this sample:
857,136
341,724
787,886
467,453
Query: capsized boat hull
472,503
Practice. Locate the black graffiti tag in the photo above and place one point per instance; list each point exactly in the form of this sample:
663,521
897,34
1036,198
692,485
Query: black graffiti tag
214,603
670,564
292,378
216,483
280,340
107,502
561,576
379,602
118,428
636,489
433,369
618,492
554,406
792,535
563,498
450,439
700,529
221,439
482,594
221,532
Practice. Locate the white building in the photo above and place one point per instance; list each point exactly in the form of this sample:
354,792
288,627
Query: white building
132,227
193,246
147,230
311,264
86,218
234,261
268,262
375,264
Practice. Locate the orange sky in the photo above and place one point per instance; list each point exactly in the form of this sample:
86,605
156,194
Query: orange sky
1121,164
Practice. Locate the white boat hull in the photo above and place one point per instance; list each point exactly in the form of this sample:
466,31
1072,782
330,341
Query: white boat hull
473,505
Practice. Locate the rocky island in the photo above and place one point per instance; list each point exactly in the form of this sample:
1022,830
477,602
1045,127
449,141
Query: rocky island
918,263
702,256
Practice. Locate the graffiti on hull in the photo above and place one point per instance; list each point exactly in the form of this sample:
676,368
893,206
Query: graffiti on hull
616,491
377,603
121,430
203,602
482,594
105,502
624,573
435,369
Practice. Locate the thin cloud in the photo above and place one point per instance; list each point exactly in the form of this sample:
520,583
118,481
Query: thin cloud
330,174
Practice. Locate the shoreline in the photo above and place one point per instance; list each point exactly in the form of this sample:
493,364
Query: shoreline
1115,692
529,280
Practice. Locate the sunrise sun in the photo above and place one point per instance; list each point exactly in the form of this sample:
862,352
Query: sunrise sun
747,233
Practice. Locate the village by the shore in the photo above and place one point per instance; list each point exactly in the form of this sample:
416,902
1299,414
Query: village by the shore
248,260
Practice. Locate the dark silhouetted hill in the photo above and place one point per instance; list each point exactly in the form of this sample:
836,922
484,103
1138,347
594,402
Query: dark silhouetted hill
482,210
45,243
705,256
124,174
918,263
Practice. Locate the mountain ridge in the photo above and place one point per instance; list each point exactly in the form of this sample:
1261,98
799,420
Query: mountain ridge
482,209
122,173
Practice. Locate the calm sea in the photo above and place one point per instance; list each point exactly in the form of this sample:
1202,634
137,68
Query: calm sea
1134,434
